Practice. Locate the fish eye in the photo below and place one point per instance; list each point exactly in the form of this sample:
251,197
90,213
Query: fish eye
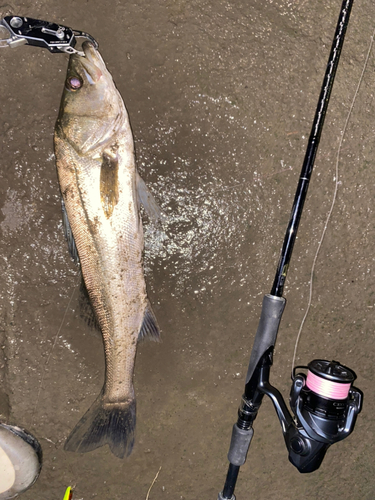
74,83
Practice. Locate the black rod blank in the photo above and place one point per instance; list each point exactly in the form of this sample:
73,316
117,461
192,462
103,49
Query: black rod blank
312,148
230,482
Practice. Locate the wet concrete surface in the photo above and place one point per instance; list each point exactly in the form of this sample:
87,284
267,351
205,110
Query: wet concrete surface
221,97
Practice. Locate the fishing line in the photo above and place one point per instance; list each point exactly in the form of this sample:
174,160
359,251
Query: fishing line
50,353
153,482
333,199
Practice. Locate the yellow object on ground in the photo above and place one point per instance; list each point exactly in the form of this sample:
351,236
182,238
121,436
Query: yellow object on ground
68,494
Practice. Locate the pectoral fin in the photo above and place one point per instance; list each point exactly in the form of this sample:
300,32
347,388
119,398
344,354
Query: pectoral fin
109,189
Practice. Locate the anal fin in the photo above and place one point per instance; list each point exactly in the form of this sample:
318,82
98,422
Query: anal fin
87,312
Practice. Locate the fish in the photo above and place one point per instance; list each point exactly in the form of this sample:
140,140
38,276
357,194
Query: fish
101,197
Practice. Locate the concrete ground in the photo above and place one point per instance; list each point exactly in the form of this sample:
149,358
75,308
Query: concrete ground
221,97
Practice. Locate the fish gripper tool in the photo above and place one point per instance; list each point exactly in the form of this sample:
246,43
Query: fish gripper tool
51,36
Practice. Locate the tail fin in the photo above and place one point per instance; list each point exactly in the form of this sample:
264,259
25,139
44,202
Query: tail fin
105,424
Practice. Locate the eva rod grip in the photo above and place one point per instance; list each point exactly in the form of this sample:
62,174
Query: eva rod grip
239,445
270,317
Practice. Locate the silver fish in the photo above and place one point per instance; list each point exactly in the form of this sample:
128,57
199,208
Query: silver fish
101,193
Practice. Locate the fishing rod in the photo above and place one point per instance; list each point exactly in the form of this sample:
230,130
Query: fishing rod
324,402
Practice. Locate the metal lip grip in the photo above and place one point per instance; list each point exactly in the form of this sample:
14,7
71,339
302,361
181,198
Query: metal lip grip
54,37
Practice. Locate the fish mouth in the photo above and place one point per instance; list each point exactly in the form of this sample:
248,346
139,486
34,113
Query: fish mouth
91,65
92,54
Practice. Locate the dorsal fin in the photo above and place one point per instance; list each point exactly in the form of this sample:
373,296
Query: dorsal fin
150,328
147,200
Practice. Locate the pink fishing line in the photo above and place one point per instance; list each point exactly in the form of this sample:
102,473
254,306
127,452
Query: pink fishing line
326,388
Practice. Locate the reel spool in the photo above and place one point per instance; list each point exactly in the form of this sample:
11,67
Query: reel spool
329,379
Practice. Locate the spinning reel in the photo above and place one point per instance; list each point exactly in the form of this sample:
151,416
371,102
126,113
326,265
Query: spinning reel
324,403
325,407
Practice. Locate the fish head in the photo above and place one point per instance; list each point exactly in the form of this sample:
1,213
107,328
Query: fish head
92,110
